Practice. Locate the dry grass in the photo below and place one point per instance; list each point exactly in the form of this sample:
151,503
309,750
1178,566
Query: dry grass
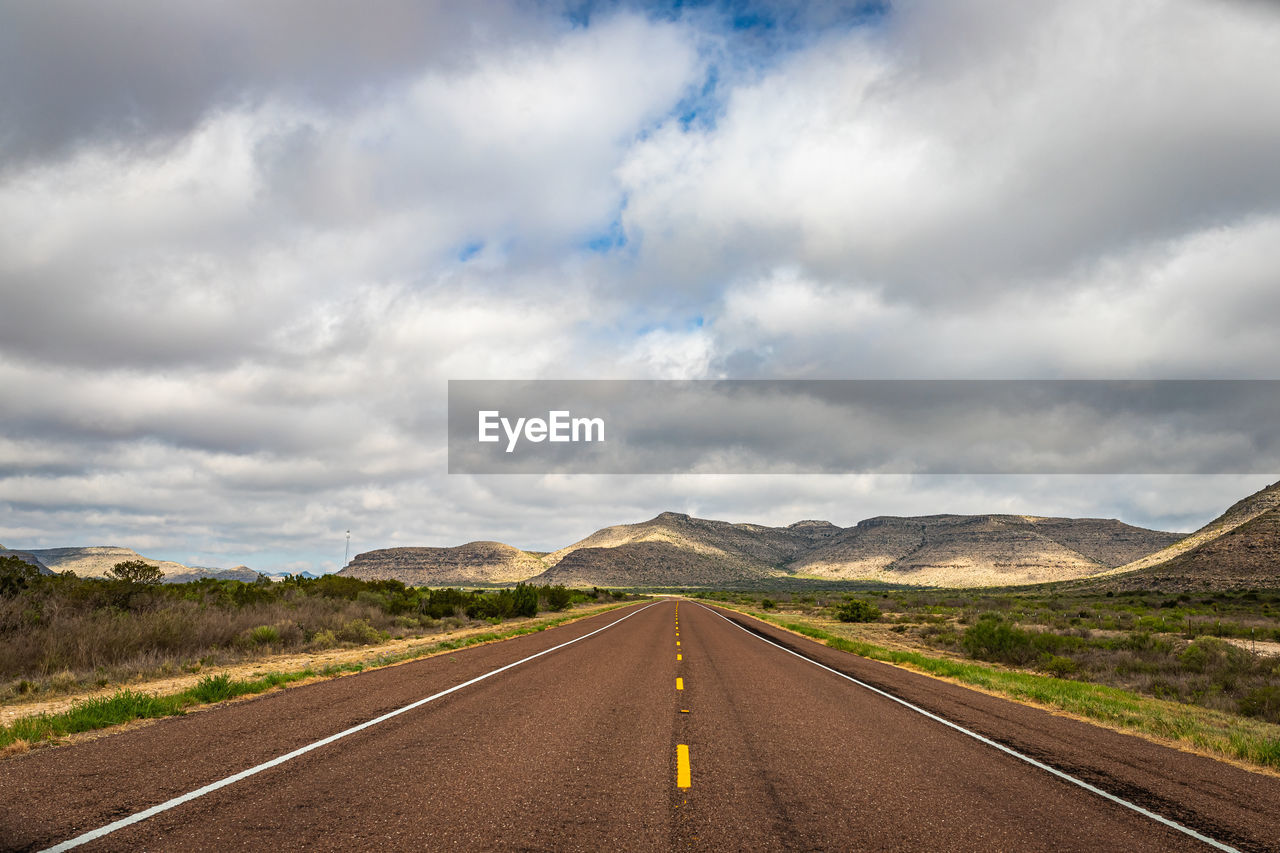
75,716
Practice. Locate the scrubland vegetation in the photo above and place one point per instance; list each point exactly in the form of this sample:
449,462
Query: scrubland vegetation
62,633
1197,669
1196,649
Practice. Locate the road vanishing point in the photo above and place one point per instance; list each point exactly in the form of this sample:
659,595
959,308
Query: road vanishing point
666,725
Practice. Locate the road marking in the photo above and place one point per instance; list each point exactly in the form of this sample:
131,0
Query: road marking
1186,830
95,834
683,777
679,684
677,642
679,657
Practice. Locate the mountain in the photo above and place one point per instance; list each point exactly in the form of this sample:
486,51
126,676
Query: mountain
981,550
475,562
765,549
650,564
1239,549
1241,512
94,561
675,549
195,573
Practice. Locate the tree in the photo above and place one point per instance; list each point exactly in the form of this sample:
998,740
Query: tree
16,575
136,571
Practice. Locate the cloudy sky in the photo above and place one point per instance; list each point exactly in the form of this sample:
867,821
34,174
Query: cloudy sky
243,246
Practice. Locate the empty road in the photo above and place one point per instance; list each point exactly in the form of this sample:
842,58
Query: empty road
662,726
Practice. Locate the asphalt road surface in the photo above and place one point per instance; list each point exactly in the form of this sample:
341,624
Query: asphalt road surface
662,726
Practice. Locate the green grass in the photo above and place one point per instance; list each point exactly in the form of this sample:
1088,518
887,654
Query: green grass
1216,732
127,705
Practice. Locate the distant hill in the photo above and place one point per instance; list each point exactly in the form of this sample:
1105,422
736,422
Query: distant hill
981,550
236,573
651,564
1239,549
94,561
1241,512
752,547
675,549
475,562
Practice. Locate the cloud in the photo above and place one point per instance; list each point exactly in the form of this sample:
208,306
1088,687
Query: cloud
953,154
74,72
242,248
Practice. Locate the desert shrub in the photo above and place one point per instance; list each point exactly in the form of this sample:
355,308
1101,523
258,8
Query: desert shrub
857,610
360,631
1215,657
993,639
558,597
370,598
768,604
525,599
442,603
1263,702
1059,666
324,639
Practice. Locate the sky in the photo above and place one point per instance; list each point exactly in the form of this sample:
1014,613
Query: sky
244,246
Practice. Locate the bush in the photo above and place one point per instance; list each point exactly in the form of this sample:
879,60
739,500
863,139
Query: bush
1262,702
525,599
1215,657
360,631
324,639
993,639
857,610
1059,666
768,604
558,598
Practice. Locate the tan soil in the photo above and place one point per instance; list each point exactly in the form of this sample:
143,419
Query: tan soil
1263,648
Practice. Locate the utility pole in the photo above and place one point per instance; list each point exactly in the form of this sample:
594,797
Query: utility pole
346,552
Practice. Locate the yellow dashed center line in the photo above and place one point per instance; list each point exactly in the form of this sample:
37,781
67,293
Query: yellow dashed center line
683,776
679,684
679,657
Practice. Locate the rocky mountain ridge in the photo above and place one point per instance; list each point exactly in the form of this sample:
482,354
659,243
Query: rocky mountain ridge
676,549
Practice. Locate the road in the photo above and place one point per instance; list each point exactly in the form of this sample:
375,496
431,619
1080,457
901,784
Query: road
662,726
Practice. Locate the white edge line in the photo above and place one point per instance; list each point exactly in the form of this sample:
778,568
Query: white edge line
989,742
95,834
